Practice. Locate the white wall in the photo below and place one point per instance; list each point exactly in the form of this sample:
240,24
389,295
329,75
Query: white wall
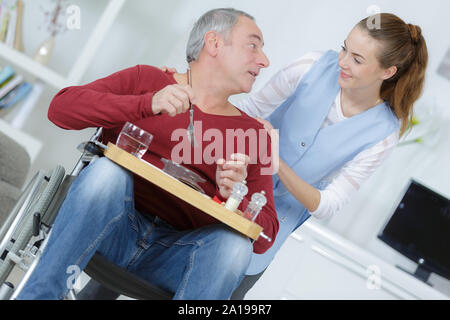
155,32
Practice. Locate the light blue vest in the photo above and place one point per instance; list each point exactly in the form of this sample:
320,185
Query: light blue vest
315,153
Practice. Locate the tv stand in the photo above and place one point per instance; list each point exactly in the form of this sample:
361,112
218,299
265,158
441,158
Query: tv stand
421,273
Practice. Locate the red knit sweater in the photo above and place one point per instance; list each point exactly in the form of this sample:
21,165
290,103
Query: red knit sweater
127,96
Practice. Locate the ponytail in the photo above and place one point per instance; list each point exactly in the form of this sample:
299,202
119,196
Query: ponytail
404,47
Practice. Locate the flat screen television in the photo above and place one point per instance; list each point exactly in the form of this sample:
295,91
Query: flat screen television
419,228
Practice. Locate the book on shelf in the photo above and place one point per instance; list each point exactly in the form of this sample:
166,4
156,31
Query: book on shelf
5,74
10,84
18,38
11,29
15,95
4,18
13,88
11,14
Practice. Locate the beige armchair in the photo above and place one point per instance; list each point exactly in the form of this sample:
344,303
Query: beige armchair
14,166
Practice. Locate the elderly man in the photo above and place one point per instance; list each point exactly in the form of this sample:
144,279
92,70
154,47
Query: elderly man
130,221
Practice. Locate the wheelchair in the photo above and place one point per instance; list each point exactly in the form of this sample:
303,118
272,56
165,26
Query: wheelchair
25,233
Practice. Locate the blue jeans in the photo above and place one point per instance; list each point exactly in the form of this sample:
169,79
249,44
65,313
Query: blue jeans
98,215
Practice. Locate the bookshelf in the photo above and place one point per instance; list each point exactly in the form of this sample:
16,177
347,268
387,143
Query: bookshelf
53,78
31,67
44,76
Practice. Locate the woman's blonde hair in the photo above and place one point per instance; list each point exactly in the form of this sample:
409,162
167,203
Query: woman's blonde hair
403,46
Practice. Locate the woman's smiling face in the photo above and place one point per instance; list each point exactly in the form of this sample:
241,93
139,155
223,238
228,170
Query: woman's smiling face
359,63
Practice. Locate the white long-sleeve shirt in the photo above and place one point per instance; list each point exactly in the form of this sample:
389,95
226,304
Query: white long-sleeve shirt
348,179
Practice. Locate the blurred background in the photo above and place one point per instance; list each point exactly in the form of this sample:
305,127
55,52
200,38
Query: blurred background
93,39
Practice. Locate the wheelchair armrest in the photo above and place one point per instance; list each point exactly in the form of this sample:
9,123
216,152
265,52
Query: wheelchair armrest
59,198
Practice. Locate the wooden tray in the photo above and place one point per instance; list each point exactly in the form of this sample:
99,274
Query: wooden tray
182,191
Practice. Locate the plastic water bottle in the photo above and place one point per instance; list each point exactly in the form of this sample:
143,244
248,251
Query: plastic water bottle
255,206
239,191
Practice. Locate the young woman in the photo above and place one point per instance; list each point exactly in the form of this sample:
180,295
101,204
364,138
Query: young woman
339,116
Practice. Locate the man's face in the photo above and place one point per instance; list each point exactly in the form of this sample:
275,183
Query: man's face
242,56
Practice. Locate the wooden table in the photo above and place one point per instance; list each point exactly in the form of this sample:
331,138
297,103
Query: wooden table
182,191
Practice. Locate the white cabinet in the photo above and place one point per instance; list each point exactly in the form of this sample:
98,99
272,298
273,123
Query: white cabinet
315,263
331,276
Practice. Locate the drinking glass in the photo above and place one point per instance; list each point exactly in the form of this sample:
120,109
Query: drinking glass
134,140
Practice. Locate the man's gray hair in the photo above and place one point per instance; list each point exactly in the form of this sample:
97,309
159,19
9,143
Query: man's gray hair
221,20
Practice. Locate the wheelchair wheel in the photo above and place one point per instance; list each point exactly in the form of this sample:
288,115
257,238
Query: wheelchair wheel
24,231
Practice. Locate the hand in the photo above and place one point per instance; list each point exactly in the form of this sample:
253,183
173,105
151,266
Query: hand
171,70
267,125
173,100
269,128
230,172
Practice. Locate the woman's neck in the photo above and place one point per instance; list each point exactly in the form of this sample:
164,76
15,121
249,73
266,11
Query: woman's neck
355,101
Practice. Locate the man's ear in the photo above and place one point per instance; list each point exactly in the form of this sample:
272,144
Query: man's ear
212,43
